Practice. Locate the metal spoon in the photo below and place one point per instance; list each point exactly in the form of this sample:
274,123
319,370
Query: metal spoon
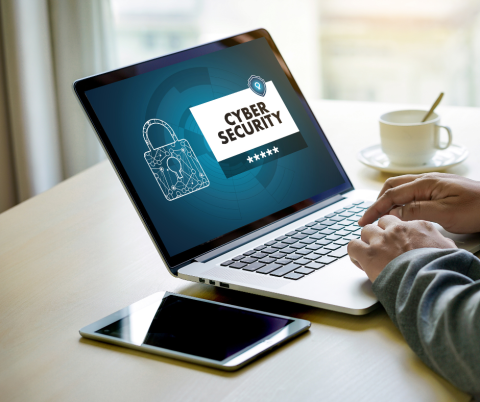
433,107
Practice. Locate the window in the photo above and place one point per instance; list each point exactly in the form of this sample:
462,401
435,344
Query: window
373,50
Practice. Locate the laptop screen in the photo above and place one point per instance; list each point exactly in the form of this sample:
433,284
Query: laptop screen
212,142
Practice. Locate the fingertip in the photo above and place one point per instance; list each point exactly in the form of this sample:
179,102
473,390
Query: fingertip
397,212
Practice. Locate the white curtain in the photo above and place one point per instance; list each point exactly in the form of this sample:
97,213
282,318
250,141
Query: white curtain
45,46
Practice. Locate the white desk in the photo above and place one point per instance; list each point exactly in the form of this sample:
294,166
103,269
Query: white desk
79,252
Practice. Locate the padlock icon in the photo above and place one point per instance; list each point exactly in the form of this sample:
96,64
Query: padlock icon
174,166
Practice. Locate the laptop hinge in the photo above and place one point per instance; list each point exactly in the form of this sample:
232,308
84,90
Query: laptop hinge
267,229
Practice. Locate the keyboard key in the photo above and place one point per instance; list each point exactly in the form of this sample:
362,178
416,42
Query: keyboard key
285,269
259,248
329,215
268,268
300,236
298,245
357,232
309,232
324,242
279,245
346,214
226,263
336,227
341,233
326,260
312,256
345,222
342,242
351,237
291,233
314,265
350,228
268,260
307,241
291,240
269,250
341,252
313,247
320,220
327,231
288,250
254,266
332,247
304,271
318,227
249,252
237,265
323,251
301,228
294,276
269,243
332,237
283,261
356,210
328,222
337,218
304,251
366,204
302,261
357,202
238,257
259,255
248,260
310,224
317,236
281,238
293,256
339,211
348,206
277,255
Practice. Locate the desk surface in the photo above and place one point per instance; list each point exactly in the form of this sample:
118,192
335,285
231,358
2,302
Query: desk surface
79,252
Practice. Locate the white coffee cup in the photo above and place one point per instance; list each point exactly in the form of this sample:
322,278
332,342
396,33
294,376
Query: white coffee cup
408,141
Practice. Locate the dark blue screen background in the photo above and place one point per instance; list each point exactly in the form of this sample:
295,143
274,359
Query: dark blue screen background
227,204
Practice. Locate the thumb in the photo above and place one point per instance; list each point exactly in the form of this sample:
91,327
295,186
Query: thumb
432,211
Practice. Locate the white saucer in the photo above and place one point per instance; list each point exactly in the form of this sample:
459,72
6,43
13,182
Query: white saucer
374,157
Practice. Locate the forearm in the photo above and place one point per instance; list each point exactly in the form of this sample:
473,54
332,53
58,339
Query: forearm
433,296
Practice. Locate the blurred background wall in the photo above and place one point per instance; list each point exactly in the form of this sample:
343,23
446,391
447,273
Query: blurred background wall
373,50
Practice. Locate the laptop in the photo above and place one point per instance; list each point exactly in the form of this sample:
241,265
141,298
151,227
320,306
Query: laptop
232,175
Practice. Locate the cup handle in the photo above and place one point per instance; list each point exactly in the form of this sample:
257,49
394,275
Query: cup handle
437,141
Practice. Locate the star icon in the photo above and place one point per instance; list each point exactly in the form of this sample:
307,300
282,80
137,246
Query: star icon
269,152
250,159
275,149
263,154
256,157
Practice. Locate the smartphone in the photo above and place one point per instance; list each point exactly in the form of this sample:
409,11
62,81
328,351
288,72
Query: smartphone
200,331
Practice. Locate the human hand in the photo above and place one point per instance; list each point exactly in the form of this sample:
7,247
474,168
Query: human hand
449,200
381,244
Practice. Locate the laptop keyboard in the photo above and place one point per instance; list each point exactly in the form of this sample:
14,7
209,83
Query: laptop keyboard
306,249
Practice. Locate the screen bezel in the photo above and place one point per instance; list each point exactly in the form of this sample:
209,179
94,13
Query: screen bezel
233,362
175,262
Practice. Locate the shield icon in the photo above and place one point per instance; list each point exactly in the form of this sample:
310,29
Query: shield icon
257,85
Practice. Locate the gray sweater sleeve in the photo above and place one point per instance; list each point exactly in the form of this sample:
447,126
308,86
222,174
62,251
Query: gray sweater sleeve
433,297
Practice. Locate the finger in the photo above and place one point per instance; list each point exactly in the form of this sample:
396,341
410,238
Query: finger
357,251
397,181
400,195
388,220
433,211
369,232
